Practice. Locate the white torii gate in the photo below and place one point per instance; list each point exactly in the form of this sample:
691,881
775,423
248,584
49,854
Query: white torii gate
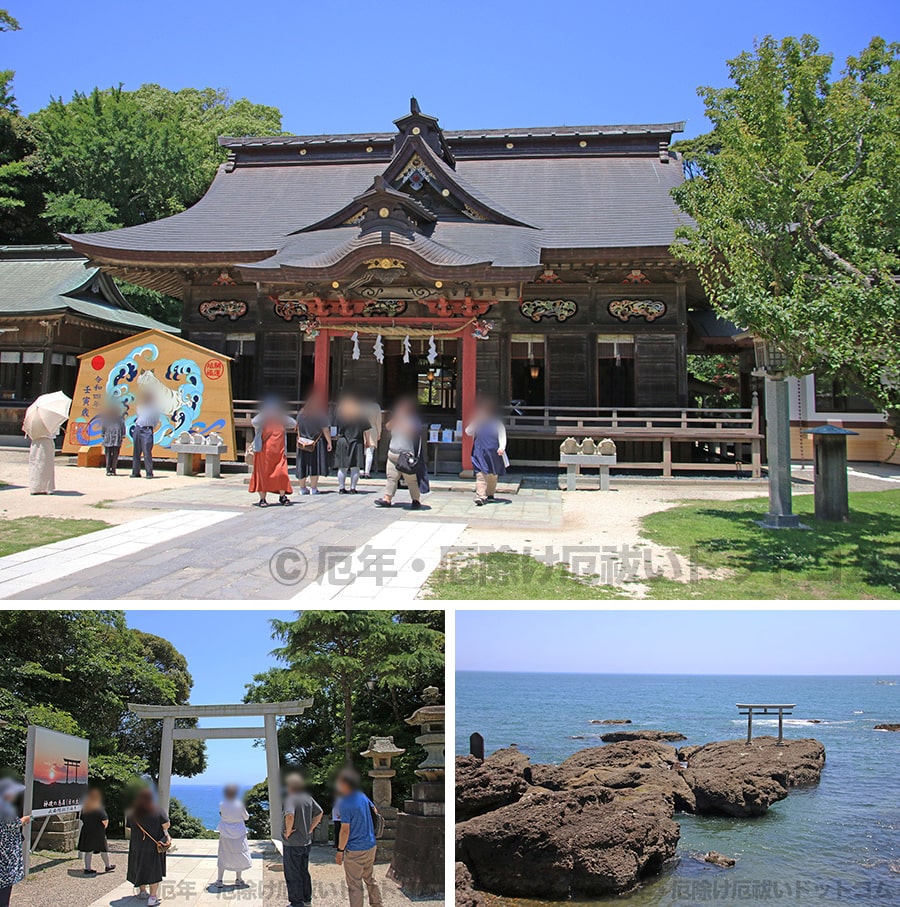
267,710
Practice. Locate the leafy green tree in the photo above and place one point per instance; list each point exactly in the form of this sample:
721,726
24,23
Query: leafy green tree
795,201
76,672
118,158
365,671
8,22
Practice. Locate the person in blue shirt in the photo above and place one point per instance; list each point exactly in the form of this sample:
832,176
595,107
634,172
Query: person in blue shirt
356,842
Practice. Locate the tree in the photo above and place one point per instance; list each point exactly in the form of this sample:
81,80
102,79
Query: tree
7,22
76,672
116,158
332,656
795,201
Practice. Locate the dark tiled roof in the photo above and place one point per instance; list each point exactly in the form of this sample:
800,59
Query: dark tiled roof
542,190
48,280
363,138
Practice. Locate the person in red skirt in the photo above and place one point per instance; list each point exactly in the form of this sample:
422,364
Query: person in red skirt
270,469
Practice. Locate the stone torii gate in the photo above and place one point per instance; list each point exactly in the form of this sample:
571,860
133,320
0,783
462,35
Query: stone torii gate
269,711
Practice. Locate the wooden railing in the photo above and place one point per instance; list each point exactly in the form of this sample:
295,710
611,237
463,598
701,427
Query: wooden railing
727,435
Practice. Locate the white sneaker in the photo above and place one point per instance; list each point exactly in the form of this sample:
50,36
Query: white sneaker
153,902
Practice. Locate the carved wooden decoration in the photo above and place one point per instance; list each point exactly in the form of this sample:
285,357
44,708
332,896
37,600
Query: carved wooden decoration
537,309
223,308
648,309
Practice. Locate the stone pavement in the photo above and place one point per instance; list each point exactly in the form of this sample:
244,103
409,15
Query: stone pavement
228,549
190,881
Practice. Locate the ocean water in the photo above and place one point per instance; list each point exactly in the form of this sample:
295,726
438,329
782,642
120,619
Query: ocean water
838,843
202,800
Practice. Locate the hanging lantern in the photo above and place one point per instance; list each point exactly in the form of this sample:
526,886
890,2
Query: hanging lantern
535,370
430,375
378,349
355,338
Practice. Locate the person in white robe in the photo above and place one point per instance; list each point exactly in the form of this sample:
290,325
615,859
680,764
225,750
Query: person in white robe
234,851
41,475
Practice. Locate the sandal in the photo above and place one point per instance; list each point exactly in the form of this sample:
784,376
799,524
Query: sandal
381,502
284,500
262,503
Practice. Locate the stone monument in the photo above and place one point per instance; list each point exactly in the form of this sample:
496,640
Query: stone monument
381,751
418,861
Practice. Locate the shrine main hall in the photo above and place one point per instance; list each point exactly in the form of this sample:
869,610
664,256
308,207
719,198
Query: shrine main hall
529,264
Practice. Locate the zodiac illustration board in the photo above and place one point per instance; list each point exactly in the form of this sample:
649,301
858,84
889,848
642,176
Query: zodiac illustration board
189,385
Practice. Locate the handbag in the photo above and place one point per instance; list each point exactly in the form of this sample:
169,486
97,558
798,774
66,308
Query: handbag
305,443
160,846
408,462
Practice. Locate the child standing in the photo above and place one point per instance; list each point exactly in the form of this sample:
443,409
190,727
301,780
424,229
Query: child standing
92,839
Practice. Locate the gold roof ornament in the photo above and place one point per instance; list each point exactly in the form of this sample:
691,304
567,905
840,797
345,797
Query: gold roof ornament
384,264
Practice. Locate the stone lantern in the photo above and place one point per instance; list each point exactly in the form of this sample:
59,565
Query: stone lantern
418,861
382,751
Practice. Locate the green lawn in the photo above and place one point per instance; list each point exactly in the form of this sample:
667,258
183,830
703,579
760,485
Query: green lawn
30,531
505,575
859,559
855,560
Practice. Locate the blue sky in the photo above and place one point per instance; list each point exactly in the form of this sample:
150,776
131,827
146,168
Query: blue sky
351,66
679,642
224,650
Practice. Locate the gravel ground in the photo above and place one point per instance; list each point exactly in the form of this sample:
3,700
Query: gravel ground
59,879
329,887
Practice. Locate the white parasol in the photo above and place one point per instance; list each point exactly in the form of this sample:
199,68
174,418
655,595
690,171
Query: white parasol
46,415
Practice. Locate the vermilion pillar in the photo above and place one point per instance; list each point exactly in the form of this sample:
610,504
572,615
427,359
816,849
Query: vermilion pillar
469,392
321,357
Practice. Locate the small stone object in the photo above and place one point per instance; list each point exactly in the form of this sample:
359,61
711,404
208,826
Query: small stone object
588,447
214,438
569,446
184,438
198,439
718,859
607,447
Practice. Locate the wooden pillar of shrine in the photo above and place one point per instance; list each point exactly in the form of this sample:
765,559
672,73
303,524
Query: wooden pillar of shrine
321,363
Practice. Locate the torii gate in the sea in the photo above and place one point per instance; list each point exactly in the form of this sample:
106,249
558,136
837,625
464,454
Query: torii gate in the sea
269,711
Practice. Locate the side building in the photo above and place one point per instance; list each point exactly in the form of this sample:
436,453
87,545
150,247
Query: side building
54,306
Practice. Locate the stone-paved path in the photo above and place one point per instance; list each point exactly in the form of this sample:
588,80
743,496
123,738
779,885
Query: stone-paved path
191,879
209,542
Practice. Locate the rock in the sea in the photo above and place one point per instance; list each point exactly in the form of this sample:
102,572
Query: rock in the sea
612,721
718,859
620,736
559,844
466,895
736,778
639,765
483,786
887,727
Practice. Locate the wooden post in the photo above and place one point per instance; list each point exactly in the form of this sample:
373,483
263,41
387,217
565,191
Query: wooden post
667,457
780,726
322,363
749,724
166,755
273,773
469,392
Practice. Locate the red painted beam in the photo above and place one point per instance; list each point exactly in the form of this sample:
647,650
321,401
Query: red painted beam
321,358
